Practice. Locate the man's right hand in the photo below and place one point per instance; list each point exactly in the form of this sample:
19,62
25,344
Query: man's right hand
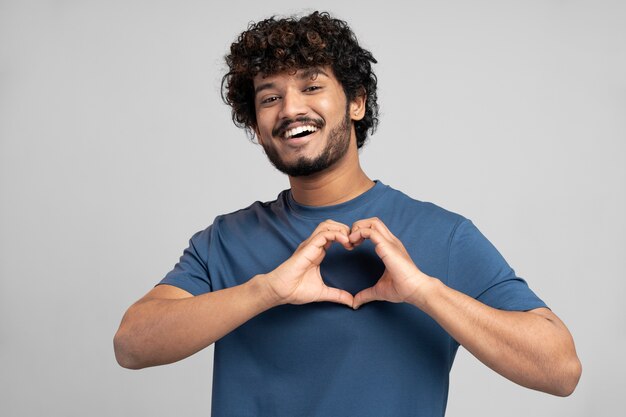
298,279
163,327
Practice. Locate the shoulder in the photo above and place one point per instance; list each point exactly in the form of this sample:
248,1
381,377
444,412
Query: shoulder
249,218
421,212
242,222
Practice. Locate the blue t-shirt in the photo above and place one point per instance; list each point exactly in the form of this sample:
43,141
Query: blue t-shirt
324,359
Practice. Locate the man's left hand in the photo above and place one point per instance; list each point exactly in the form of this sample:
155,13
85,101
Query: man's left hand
402,279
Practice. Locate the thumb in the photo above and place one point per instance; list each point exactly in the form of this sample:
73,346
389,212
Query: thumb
335,295
365,296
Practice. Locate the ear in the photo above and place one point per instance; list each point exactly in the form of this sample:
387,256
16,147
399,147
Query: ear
357,106
255,131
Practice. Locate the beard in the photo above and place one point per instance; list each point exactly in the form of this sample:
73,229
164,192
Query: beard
336,147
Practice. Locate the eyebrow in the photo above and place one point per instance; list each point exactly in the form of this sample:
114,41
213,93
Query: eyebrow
310,72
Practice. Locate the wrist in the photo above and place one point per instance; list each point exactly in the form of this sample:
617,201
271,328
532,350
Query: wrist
264,291
426,288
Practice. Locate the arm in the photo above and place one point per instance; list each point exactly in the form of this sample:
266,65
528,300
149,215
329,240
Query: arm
169,324
533,348
165,325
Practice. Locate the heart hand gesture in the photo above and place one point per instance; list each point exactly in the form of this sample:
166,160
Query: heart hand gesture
298,279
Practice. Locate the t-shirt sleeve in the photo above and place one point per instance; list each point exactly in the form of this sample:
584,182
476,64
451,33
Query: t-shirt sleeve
477,269
191,273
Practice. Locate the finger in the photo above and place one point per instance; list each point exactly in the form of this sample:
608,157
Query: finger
335,295
314,248
322,240
384,247
373,223
357,236
331,225
365,296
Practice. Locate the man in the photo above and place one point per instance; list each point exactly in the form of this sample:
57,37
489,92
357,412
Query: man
343,297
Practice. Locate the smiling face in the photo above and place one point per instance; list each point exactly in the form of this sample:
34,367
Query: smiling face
304,122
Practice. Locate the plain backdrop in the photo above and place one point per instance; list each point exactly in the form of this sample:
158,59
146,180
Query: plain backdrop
115,148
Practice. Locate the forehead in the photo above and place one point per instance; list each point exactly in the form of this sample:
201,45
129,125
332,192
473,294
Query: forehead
262,80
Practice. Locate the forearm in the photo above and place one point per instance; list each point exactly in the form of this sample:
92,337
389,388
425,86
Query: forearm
156,331
532,349
168,324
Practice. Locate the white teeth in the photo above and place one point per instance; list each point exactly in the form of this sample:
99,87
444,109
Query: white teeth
296,130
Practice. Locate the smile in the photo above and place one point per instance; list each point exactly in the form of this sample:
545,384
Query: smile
300,131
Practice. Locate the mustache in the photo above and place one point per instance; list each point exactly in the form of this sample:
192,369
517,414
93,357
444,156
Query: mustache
282,127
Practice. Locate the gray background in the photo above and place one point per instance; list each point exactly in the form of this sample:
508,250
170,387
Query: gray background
115,148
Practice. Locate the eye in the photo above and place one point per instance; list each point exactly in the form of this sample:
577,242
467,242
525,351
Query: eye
269,100
312,88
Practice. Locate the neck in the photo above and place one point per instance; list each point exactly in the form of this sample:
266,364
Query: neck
340,183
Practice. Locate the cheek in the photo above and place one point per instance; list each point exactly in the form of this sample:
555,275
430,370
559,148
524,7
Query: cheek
336,104
328,104
263,124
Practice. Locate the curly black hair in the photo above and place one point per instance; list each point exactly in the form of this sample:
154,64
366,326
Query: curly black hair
289,44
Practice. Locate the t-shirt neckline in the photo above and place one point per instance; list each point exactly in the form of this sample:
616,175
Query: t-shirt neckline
318,212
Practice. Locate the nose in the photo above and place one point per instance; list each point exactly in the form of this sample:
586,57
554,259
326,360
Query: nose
293,104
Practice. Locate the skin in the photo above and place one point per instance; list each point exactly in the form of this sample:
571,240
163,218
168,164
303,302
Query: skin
304,160
533,348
